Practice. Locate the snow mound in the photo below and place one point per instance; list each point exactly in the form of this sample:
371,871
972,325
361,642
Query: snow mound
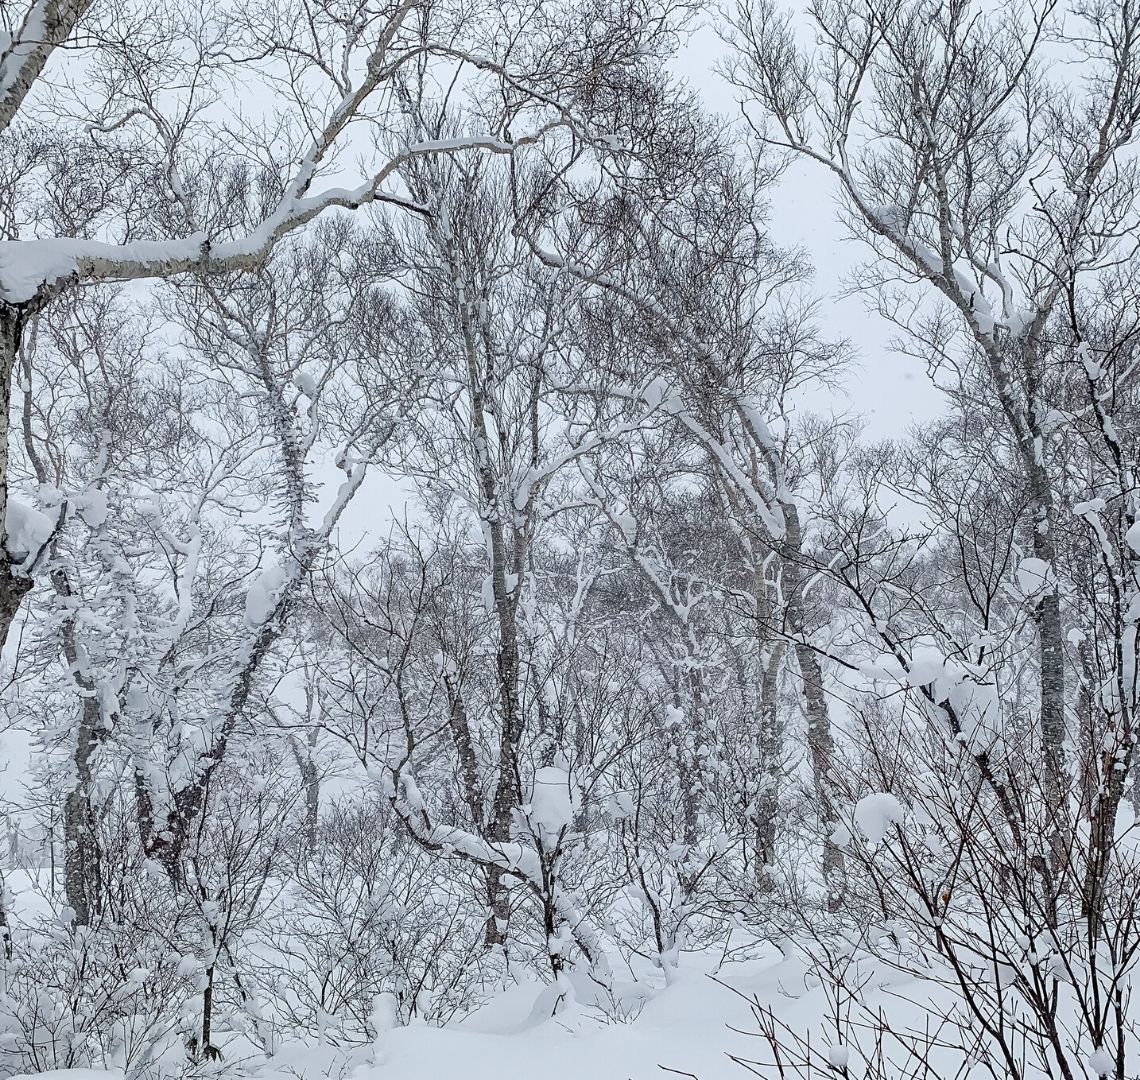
92,506
838,1057
1102,1063
26,529
1035,576
552,803
927,666
306,384
263,596
1133,537
970,690
875,814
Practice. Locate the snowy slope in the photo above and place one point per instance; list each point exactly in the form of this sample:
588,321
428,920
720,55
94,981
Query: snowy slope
684,1026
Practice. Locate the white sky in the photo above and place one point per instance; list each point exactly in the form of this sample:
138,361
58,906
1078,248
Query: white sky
887,390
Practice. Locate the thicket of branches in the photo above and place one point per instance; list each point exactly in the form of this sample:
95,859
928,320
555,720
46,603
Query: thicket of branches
654,657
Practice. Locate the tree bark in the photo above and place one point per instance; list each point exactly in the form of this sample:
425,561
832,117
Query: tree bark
47,24
821,743
82,863
14,585
771,736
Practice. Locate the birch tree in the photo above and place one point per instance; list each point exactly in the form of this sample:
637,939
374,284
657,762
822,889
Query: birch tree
162,167
967,165
714,339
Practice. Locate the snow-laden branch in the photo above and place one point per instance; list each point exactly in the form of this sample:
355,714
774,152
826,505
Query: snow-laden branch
36,268
513,859
657,396
47,24
30,268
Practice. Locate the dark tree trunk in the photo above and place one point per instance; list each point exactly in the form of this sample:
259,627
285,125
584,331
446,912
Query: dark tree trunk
14,585
770,736
821,743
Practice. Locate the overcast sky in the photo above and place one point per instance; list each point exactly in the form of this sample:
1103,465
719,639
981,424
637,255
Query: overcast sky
887,390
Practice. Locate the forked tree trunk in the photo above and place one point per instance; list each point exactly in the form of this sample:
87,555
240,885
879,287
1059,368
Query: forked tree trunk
821,743
821,746
303,754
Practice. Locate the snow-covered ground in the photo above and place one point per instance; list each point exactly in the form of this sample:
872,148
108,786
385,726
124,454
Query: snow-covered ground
543,1032
537,1031
704,1024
